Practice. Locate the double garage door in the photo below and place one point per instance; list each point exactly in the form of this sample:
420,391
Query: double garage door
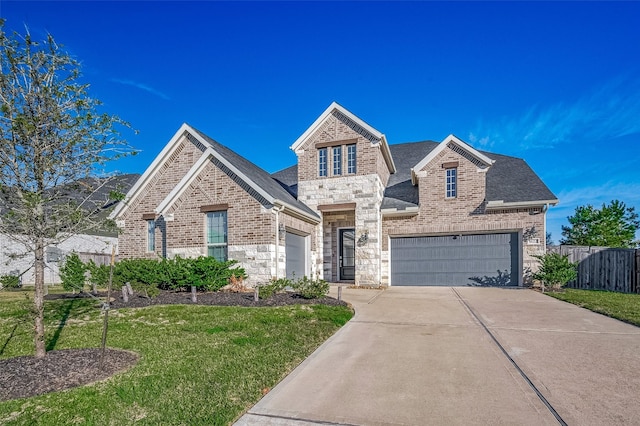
455,260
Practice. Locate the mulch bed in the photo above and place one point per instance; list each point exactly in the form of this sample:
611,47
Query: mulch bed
218,298
28,376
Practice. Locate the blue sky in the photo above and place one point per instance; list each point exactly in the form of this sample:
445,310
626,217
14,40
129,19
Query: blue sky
555,83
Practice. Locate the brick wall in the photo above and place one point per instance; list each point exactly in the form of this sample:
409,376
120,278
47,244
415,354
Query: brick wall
464,214
369,158
133,241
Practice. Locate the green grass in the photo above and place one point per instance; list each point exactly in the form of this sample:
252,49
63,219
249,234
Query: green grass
622,306
199,365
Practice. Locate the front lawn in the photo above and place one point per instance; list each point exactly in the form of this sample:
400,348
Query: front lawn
622,306
198,364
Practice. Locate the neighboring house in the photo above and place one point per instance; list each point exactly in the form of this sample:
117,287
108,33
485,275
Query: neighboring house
16,259
354,209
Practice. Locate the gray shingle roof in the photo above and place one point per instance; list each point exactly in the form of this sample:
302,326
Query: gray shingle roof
257,175
509,179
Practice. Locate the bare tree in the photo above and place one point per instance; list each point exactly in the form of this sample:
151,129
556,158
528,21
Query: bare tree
54,146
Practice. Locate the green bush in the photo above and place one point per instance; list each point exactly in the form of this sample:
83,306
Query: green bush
555,271
274,286
205,273
72,273
150,290
310,288
98,274
10,281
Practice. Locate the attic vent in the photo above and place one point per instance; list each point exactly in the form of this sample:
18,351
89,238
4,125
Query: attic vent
196,142
241,183
455,148
355,127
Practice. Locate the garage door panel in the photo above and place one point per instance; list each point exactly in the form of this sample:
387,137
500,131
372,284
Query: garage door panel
296,252
486,259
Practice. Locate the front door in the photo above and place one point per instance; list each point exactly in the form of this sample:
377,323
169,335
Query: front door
347,259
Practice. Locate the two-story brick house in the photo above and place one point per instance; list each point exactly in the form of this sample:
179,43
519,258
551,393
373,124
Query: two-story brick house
354,209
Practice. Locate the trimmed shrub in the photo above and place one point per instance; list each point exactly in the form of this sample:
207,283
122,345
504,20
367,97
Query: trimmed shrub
310,288
98,274
274,286
9,282
555,271
204,273
72,273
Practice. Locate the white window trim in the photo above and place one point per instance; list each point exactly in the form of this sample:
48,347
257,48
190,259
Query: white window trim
326,165
206,234
151,235
451,188
355,159
336,165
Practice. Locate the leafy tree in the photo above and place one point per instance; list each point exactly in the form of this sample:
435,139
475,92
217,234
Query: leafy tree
555,271
72,273
54,142
613,225
548,239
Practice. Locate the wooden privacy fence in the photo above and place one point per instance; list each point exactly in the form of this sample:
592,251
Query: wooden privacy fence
604,268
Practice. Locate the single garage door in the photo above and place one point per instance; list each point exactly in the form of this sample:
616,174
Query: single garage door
486,259
295,250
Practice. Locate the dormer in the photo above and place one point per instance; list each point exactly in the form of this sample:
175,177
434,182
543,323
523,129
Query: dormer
339,144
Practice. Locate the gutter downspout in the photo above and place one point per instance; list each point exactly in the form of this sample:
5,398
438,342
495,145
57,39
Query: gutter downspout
544,212
277,211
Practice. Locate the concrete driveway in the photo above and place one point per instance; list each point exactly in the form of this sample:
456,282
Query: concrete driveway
416,356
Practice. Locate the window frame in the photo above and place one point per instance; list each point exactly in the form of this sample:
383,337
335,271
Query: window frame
151,235
323,170
211,246
451,182
336,156
351,159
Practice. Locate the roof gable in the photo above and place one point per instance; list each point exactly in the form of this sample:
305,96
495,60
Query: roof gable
448,141
251,177
355,123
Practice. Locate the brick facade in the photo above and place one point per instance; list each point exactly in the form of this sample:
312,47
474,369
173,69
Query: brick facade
255,226
251,227
466,213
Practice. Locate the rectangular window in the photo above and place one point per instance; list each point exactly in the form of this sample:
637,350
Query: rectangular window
217,235
322,162
351,159
151,235
452,183
337,160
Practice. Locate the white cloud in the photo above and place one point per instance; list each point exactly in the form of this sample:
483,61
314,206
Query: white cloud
611,111
141,86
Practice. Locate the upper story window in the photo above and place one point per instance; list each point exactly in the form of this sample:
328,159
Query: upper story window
351,159
151,235
217,235
337,160
322,162
452,182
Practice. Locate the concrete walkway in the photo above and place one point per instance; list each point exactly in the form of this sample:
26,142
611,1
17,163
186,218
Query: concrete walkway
416,356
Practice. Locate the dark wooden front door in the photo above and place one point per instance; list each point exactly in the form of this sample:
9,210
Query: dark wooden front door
347,260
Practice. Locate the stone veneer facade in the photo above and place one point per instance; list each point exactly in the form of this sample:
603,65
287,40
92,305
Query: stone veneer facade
365,189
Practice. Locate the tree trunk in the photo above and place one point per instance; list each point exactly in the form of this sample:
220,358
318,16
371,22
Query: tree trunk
38,299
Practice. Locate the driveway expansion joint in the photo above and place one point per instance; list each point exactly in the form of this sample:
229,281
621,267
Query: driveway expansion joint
296,419
511,360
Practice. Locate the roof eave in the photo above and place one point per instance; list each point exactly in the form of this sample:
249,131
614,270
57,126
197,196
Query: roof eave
500,204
